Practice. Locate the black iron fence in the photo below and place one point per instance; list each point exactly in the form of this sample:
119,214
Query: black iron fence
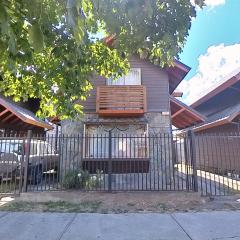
162,162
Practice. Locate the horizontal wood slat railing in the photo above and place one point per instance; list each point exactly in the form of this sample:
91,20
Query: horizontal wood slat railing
121,100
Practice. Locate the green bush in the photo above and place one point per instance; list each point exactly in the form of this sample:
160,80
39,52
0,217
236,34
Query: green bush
82,179
71,179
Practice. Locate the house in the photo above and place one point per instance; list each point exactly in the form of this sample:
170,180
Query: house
122,117
218,137
18,118
221,106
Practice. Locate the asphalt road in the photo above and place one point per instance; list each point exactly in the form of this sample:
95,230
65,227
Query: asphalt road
70,226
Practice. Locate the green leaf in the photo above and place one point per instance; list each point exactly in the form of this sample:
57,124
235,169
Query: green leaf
148,8
64,29
36,37
3,14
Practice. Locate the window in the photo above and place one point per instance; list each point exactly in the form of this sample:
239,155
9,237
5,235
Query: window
132,144
132,78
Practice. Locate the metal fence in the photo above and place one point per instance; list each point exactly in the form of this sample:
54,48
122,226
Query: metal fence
164,162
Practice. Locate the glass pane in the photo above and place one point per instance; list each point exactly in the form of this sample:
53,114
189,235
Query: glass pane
120,81
132,78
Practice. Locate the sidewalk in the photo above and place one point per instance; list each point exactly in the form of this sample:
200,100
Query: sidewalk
70,226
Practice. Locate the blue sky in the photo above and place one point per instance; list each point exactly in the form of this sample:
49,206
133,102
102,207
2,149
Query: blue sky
212,49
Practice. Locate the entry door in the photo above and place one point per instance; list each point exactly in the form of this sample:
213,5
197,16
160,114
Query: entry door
132,78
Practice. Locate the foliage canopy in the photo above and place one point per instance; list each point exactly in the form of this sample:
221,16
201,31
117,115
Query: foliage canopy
51,49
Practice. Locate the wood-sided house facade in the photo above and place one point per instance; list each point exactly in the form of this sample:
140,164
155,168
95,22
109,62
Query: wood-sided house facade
218,137
138,104
141,100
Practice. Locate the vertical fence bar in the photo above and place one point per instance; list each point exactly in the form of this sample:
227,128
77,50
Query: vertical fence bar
26,163
192,146
110,161
186,154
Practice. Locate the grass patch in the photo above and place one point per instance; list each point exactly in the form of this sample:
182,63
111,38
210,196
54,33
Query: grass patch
59,206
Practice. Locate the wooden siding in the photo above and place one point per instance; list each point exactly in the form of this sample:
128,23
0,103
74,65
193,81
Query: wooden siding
225,129
155,80
219,148
90,103
214,152
218,153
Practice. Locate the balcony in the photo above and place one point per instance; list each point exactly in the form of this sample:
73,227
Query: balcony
121,101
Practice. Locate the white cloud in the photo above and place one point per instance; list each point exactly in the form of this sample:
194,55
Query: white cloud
218,62
214,3
210,3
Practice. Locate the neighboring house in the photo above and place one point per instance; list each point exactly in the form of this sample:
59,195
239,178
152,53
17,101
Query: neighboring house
18,118
221,106
221,128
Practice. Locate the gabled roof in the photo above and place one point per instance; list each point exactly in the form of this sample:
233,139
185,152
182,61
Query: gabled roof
225,83
184,116
226,116
12,114
176,74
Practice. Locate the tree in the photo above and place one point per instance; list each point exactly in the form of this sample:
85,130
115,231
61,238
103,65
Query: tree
51,49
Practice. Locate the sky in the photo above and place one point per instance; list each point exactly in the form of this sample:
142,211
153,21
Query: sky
212,49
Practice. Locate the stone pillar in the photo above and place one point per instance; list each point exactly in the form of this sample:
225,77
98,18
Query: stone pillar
160,147
158,123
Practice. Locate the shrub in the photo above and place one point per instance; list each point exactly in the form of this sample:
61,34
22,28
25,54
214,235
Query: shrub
71,179
82,179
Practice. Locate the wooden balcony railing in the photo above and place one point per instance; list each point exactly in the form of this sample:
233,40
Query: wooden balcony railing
121,101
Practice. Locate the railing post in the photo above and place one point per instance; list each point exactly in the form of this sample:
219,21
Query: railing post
186,158
109,161
25,162
192,146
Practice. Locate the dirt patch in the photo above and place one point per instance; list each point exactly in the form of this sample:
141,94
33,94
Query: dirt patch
119,202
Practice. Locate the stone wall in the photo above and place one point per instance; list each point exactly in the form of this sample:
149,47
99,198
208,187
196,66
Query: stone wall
157,123
160,150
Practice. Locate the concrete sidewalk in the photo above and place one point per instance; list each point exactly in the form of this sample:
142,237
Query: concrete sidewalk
150,226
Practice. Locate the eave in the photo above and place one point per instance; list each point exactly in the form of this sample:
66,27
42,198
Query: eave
14,116
184,116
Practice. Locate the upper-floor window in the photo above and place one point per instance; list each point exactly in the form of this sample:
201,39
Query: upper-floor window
132,78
